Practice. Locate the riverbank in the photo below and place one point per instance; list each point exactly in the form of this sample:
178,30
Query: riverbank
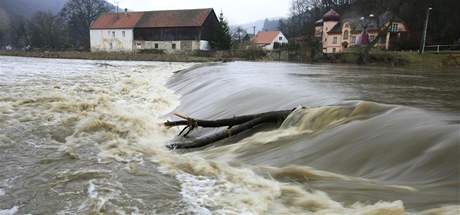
376,58
110,56
200,57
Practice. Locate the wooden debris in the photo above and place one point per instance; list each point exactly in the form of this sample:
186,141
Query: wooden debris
234,126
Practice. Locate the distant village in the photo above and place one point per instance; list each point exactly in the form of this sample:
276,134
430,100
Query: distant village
192,29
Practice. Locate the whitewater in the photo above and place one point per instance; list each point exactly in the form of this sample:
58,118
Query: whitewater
87,137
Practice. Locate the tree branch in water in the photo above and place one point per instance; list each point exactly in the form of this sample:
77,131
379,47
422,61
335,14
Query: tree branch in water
235,126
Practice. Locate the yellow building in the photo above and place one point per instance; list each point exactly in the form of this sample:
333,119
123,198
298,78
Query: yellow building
340,32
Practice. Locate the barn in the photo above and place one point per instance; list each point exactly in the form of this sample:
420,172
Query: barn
168,30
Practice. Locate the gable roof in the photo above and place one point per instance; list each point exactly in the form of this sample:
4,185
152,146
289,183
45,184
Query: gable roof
120,20
265,37
174,18
331,15
337,29
153,19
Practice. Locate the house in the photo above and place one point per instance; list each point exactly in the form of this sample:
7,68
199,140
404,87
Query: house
338,32
169,30
269,40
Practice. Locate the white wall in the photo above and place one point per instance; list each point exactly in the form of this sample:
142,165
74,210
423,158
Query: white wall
330,47
277,40
185,45
160,45
112,40
327,26
204,45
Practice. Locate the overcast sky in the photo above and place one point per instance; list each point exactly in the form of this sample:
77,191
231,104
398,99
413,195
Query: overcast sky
236,11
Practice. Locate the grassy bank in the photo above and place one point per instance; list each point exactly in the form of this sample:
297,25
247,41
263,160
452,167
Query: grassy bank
252,55
398,59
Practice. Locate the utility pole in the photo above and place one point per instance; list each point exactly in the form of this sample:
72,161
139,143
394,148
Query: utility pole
425,29
254,27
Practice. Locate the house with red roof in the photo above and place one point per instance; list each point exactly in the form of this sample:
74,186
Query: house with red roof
269,40
337,32
168,30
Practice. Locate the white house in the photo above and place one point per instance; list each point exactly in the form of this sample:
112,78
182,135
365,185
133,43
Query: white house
169,30
269,40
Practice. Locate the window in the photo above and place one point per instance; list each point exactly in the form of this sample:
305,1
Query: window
123,33
156,45
353,39
280,39
333,50
334,41
111,46
173,46
394,27
113,33
108,32
345,35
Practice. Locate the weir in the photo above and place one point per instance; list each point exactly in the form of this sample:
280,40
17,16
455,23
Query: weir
88,137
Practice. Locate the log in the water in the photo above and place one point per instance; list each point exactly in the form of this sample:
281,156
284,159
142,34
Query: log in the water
235,126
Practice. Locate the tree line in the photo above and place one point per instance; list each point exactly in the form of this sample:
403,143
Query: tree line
443,26
68,29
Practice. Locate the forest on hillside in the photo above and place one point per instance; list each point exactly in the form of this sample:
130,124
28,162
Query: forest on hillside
48,24
27,8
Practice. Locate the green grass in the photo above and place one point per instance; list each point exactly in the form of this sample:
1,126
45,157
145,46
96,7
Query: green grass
433,60
398,59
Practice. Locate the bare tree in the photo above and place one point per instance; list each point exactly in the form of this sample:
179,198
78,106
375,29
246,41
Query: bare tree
238,34
18,33
4,25
46,31
79,14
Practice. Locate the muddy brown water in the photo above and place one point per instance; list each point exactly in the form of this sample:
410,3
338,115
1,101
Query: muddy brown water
86,137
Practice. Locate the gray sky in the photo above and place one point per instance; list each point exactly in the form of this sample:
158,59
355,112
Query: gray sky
236,11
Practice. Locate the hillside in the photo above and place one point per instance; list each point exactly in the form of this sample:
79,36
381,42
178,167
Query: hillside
27,8
269,24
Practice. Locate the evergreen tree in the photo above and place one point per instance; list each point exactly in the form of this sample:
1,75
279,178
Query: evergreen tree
222,39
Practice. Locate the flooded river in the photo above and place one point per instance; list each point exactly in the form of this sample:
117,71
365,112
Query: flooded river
86,137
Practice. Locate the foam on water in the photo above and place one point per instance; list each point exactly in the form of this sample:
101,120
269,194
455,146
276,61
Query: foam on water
114,116
10,211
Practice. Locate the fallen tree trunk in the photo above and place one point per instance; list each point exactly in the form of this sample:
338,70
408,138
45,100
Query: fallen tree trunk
235,126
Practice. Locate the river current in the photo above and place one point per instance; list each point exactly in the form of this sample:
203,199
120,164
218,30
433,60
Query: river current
87,137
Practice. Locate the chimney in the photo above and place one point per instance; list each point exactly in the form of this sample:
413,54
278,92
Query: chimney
126,11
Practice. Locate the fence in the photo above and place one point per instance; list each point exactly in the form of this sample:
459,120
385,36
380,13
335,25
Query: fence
443,48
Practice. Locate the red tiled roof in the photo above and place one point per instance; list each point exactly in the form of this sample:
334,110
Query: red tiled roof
153,19
265,37
114,20
174,18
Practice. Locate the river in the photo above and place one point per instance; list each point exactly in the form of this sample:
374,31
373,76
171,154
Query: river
86,137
